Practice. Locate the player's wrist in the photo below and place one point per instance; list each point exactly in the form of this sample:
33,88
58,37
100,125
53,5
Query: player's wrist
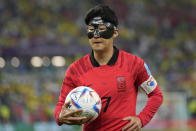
138,116
140,122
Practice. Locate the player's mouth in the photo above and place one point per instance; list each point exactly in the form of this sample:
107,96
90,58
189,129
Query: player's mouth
97,42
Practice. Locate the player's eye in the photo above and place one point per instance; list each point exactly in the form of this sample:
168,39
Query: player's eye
90,29
102,28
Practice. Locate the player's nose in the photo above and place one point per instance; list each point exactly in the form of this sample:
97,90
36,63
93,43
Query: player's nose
96,34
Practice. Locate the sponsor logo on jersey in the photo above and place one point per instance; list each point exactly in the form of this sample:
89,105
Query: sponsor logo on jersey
121,83
149,85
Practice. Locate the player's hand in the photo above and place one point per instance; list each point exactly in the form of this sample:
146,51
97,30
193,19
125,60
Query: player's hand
71,117
134,124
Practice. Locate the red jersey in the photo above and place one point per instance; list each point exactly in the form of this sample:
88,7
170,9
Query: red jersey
117,84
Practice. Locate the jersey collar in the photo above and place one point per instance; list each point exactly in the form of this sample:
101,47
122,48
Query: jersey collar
112,61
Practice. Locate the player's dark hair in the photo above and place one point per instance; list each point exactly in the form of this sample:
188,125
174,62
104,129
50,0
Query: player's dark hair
104,11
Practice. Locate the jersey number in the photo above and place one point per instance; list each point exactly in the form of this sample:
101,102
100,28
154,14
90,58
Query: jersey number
107,104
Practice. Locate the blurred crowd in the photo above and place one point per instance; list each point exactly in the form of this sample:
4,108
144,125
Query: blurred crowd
29,98
163,33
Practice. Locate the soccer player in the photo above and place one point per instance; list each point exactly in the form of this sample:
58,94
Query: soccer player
114,74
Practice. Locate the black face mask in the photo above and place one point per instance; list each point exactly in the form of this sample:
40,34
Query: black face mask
106,34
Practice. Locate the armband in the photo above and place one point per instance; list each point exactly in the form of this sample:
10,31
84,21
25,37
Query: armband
149,85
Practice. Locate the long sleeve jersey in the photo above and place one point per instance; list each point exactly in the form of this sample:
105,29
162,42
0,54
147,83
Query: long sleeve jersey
117,84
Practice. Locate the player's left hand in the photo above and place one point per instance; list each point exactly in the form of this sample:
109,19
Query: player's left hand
135,124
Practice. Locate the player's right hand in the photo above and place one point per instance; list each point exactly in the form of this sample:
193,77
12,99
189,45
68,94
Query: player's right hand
71,117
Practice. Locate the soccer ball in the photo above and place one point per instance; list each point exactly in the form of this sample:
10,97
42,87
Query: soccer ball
87,99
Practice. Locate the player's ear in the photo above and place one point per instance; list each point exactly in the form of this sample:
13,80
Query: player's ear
115,33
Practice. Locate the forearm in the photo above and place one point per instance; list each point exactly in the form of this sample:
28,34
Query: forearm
155,99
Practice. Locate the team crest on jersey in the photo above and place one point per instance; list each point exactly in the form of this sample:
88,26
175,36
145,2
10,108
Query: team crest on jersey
149,85
121,83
